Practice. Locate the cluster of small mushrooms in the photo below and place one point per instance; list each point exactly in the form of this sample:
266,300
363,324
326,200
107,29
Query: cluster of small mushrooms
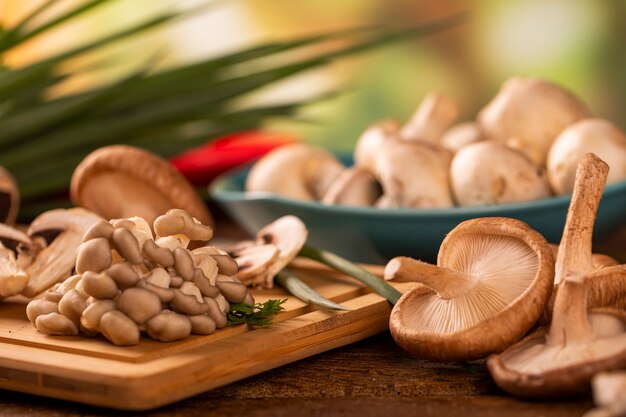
524,145
496,279
128,280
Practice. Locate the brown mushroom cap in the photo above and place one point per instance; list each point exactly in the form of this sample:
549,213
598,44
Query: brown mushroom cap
9,197
123,181
492,282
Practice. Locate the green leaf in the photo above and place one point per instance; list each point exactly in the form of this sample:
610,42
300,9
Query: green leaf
347,267
296,287
258,315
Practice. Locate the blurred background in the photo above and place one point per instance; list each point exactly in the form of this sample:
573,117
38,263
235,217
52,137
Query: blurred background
577,43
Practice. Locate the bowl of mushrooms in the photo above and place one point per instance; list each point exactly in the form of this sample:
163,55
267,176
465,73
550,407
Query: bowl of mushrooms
406,186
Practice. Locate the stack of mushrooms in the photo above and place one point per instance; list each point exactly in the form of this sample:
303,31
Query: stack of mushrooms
496,279
128,281
524,145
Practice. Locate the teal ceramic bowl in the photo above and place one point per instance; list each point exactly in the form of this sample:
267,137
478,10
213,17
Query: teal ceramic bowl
373,235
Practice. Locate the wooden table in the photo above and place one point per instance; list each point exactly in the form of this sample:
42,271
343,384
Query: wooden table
369,378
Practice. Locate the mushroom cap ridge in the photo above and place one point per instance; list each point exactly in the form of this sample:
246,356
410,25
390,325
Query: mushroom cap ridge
496,332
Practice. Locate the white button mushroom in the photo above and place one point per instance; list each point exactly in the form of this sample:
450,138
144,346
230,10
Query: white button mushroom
296,171
490,173
461,135
434,115
590,135
528,114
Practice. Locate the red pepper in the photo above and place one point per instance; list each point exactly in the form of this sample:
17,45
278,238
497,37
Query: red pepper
201,165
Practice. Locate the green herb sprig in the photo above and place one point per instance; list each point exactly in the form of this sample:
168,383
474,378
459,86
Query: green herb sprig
257,315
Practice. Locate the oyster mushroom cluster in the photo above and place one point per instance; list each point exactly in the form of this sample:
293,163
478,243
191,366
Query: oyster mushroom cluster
524,145
128,281
496,279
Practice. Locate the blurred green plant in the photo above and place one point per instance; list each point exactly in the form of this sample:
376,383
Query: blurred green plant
42,139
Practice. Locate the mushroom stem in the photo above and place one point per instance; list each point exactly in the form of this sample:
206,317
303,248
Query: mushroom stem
447,283
343,265
570,323
431,119
575,248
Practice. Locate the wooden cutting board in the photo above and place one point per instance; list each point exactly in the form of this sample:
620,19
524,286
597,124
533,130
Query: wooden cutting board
153,374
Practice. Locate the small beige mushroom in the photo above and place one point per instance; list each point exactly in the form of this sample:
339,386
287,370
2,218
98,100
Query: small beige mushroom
179,222
9,197
164,294
597,136
139,304
297,171
93,255
208,265
39,307
138,226
101,229
168,327
202,324
215,312
123,181
187,304
432,118
204,284
98,285
119,329
69,284
491,284
126,244
90,318
155,253
355,186
55,324
528,114
183,263
72,306
233,291
490,173
124,275
56,262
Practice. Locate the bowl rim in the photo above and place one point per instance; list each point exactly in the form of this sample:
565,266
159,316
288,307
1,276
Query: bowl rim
218,191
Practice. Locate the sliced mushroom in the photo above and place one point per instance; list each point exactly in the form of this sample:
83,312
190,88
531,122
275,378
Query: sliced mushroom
297,171
56,262
490,173
353,187
16,252
562,360
9,197
123,181
431,119
289,234
492,281
528,114
255,260
598,136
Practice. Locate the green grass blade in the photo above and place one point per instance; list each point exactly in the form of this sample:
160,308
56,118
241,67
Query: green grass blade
9,36
36,120
296,287
347,267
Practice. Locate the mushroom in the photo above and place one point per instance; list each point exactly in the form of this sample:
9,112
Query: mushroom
98,285
492,281
355,186
413,175
93,255
72,305
599,260
461,135
289,235
90,317
16,250
225,263
39,307
255,260
122,181
607,285
608,394
139,304
168,327
56,324
56,262
561,361
202,324
179,222
375,138
490,173
119,329
9,197
431,119
297,171
589,135
528,114
234,291
124,275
